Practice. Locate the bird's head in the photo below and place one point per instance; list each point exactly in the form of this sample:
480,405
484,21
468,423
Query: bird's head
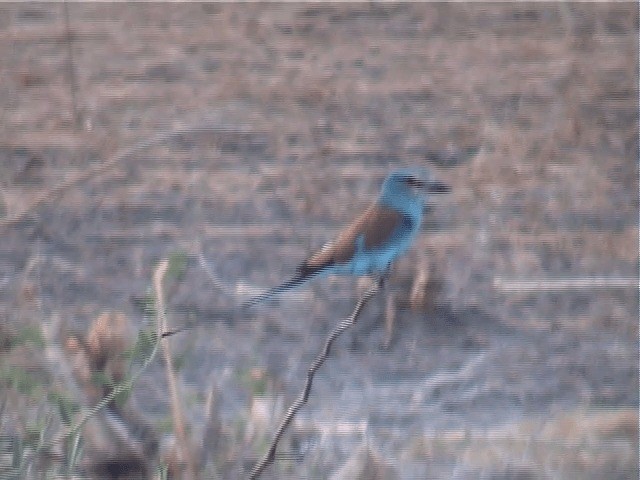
409,186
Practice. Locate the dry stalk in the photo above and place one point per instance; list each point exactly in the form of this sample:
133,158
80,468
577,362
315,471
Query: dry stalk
183,444
95,171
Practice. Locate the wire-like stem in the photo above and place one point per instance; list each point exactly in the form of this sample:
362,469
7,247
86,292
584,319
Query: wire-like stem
317,363
73,83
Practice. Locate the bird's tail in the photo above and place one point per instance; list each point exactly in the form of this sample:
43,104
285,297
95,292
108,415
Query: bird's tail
293,282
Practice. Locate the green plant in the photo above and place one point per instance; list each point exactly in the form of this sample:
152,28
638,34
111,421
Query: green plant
67,407
24,381
30,334
177,265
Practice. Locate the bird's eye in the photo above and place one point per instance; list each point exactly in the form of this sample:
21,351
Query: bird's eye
412,181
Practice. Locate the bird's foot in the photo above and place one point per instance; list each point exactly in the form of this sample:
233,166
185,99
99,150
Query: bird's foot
382,277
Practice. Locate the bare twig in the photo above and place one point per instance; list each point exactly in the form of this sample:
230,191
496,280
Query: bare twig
561,284
73,84
236,291
240,289
93,172
317,363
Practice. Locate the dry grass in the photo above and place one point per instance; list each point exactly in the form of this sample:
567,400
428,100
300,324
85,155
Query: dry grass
250,133
578,444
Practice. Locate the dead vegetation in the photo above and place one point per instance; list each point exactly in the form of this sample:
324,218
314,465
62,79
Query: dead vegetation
246,134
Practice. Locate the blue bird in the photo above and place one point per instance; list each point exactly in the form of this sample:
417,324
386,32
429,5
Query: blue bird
375,239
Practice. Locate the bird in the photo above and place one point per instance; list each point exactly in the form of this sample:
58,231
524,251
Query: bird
370,244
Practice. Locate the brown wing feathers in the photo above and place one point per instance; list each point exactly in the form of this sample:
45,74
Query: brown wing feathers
376,224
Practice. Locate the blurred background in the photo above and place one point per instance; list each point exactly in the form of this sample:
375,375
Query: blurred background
229,140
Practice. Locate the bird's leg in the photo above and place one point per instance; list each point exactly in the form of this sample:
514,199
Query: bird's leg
389,320
382,277
388,309
380,280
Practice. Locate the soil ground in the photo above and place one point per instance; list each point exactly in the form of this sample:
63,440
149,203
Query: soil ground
238,138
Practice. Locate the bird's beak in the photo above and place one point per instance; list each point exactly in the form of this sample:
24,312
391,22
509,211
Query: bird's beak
431,187
436,187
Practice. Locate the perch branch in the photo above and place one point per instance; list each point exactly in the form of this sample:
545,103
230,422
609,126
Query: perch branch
317,363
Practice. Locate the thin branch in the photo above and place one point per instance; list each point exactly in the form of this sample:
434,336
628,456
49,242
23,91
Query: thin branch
73,84
93,172
562,284
240,289
317,363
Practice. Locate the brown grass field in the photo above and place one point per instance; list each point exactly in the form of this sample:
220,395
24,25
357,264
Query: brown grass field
223,142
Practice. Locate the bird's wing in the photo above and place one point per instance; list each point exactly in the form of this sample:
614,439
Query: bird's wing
373,229
375,226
